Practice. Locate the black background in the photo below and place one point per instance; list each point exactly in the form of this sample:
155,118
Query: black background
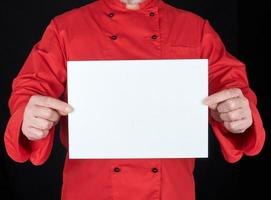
242,26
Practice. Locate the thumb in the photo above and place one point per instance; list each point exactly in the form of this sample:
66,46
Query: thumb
212,106
60,106
213,100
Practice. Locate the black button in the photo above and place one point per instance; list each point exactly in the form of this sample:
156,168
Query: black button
116,169
154,37
114,37
111,15
152,14
154,170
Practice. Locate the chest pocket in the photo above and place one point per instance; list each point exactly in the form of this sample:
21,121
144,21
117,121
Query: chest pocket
182,52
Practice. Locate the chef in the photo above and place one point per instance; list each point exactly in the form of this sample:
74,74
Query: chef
123,30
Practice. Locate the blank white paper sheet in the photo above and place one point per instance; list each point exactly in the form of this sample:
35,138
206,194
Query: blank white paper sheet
138,109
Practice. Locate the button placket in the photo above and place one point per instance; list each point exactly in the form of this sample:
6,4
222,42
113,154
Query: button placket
153,16
132,173
110,15
155,170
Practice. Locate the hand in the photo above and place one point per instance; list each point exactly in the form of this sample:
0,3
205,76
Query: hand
41,114
231,108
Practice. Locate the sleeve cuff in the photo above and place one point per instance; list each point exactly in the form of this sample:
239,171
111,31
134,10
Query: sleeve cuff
234,146
19,148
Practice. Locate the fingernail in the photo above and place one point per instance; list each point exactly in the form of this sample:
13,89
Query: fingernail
68,109
205,101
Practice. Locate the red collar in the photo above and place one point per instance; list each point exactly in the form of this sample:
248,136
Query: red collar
117,4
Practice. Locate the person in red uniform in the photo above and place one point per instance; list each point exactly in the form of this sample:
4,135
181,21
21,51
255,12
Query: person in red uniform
123,30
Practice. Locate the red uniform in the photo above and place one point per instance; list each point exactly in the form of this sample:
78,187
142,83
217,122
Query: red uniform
106,30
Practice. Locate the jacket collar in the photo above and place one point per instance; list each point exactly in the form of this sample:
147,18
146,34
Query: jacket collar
117,4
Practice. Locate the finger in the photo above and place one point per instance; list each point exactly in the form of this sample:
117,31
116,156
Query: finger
229,105
221,96
233,115
42,124
46,113
62,107
36,134
236,126
216,115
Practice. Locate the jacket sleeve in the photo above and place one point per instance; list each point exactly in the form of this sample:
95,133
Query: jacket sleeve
225,71
43,73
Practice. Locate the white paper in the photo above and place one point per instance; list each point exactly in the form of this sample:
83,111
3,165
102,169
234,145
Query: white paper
138,109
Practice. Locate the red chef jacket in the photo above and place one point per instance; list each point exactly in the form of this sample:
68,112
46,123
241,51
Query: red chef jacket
106,30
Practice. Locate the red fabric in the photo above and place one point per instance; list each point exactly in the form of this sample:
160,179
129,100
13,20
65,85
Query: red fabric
86,34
